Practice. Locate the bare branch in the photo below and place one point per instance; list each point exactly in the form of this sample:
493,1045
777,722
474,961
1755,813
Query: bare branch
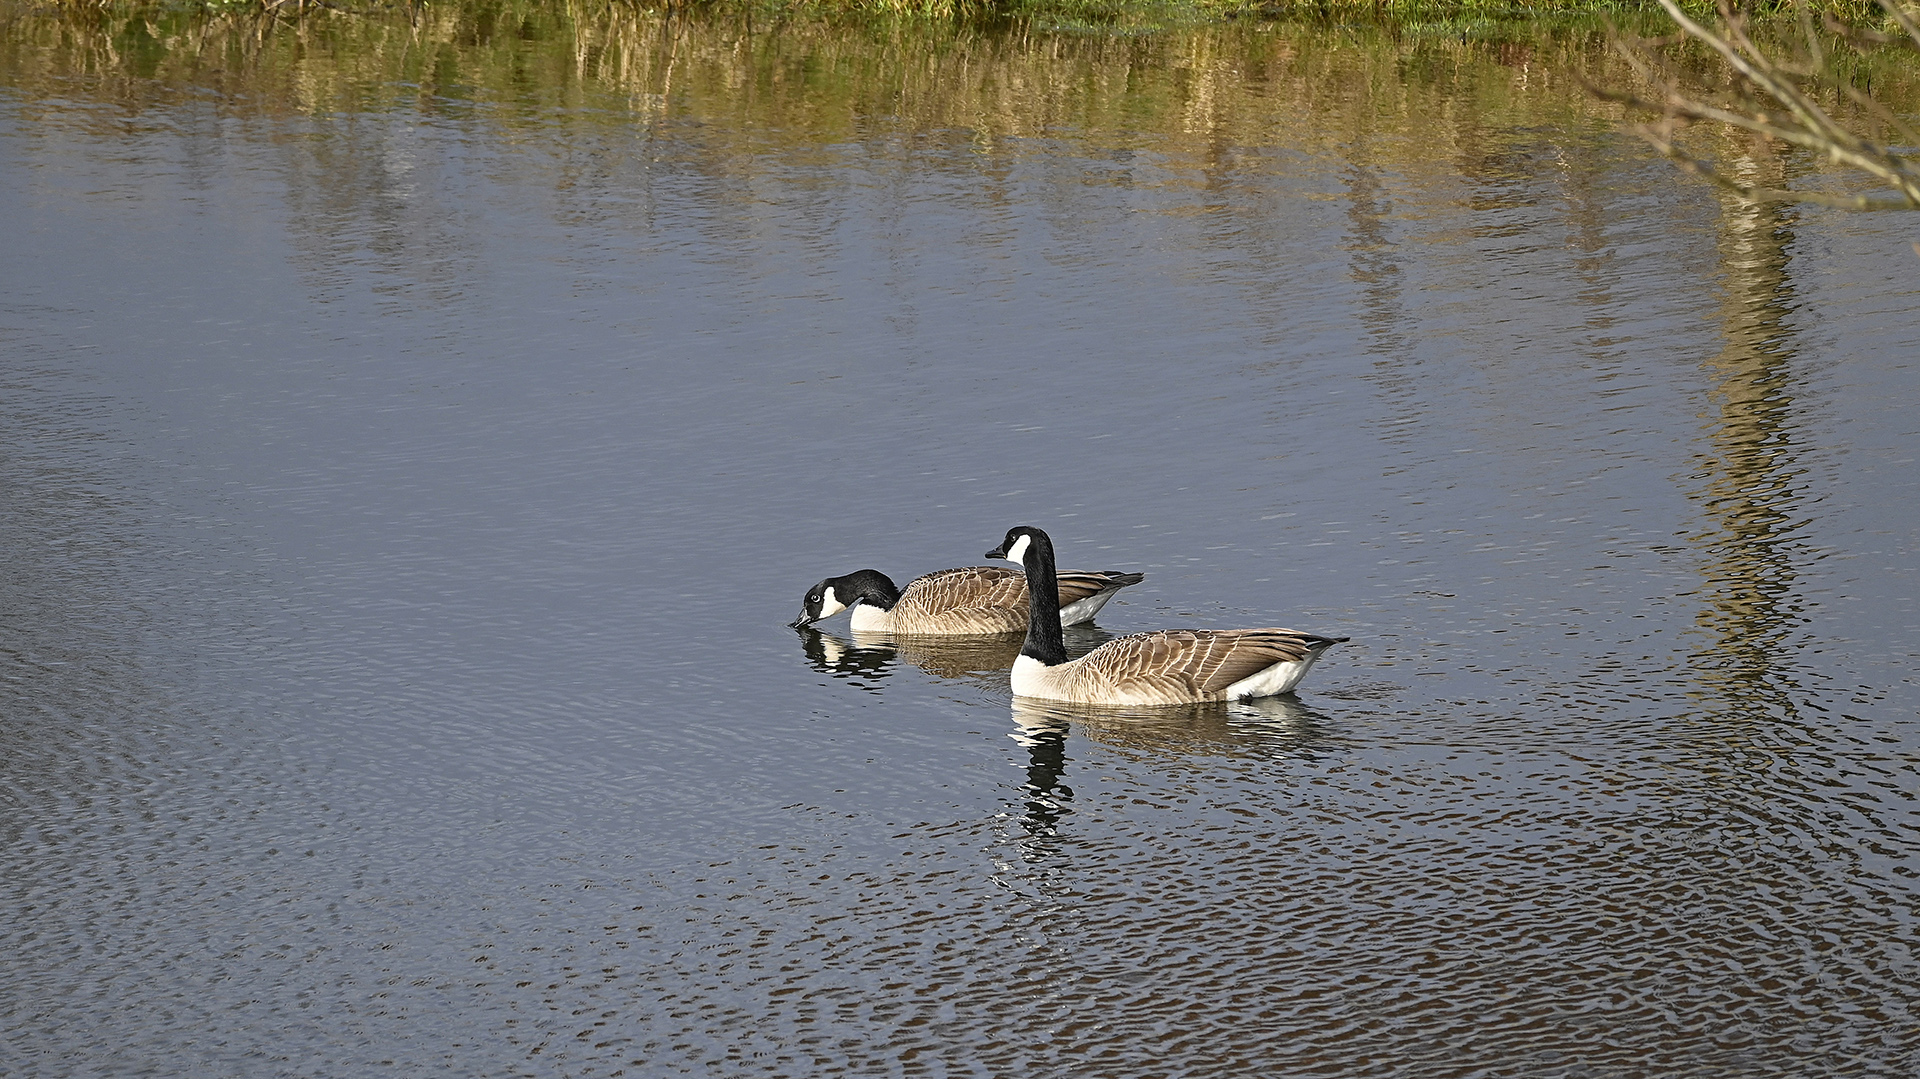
1772,97
1752,193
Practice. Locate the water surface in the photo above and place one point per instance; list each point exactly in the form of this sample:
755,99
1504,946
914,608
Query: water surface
417,436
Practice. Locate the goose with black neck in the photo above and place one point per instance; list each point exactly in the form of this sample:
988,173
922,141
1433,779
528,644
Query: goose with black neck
1178,666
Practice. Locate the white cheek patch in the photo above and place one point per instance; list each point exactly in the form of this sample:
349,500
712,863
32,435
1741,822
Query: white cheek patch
830,604
1018,552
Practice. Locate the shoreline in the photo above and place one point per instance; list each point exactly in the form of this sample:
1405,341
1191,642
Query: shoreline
1119,15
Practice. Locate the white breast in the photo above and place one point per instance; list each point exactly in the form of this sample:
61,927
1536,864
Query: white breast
1028,674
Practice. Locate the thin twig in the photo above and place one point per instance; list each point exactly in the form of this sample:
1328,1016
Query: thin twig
1794,117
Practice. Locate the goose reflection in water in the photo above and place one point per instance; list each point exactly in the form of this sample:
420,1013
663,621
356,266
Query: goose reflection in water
979,660
834,656
1270,727
1274,728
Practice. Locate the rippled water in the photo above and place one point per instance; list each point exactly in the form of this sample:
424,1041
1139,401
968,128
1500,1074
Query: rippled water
415,440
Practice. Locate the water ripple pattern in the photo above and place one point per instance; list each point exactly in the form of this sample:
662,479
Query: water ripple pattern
415,433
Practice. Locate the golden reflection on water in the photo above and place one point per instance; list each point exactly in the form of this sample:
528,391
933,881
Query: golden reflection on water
1206,89
1394,98
1751,480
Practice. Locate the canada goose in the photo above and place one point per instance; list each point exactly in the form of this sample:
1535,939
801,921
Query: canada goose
976,599
1172,666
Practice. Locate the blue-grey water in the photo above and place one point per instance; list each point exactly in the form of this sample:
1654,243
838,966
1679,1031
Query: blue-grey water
403,496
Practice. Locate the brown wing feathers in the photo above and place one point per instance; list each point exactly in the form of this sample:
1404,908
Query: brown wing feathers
969,588
1194,663
1077,585
1236,654
1000,587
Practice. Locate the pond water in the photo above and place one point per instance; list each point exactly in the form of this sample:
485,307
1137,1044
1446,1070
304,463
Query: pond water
416,437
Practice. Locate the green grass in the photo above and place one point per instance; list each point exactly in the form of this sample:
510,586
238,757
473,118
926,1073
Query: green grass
1090,12
1457,19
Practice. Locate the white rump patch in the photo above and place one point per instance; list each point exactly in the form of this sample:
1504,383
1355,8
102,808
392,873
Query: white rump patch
1083,610
1275,680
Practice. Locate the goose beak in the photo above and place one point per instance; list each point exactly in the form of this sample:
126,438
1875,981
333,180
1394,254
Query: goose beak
801,622
998,552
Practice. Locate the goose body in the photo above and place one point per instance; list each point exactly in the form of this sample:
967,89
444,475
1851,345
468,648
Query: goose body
973,599
1178,666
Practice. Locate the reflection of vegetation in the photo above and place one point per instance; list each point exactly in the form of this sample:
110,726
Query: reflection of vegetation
767,83
1789,99
1751,484
1102,14
812,81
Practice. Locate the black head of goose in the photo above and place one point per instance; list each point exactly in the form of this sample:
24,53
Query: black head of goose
1178,666
973,599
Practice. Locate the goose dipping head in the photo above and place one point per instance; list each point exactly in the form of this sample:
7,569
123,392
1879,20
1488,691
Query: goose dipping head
836,594
963,600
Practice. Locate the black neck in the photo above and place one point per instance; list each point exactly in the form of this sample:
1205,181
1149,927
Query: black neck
871,587
1045,641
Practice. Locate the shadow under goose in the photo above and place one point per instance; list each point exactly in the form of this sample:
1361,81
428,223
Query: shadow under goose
979,660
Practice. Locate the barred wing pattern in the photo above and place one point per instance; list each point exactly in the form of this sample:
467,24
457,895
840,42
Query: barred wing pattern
987,599
973,599
1078,585
1177,666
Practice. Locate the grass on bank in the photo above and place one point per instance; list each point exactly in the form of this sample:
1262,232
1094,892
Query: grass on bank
1813,93
1090,12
